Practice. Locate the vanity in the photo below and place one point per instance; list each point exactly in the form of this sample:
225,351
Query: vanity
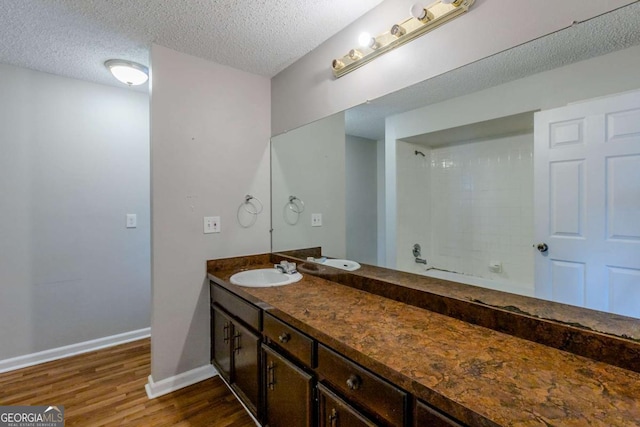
343,348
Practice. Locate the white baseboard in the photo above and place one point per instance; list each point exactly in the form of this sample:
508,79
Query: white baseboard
185,379
71,350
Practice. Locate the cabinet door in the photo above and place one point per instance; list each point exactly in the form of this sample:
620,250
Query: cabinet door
222,331
246,365
425,415
288,392
335,412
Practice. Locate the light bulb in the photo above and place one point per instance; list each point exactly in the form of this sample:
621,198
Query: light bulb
365,40
418,11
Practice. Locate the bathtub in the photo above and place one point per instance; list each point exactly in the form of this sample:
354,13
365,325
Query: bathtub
514,288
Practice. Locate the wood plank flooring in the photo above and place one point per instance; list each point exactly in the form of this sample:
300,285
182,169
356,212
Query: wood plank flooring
106,388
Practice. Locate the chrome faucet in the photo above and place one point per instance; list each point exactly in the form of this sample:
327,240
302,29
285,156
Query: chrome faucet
417,252
286,267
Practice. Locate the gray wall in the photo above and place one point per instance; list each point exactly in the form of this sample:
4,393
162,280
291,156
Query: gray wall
209,148
309,163
362,199
307,91
599,76
74,160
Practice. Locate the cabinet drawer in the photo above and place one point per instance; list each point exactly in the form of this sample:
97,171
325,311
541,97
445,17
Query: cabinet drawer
384,400
289,339
425,415
335,412
237,307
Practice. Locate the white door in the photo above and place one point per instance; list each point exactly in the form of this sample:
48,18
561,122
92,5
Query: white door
587,201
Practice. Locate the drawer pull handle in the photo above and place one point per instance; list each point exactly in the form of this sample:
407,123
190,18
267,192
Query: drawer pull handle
354,382
226,332
271,376
284,338
333,418
236,343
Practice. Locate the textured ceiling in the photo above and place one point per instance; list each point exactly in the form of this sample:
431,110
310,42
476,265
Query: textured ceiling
607,33
73,38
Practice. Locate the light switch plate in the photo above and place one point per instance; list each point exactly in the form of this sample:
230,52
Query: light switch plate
211,224
316,220
132,220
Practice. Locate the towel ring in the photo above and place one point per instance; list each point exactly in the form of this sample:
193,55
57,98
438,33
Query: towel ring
246,206
294,205
248,202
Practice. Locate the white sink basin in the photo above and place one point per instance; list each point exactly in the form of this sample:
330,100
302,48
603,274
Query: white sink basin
263,278
343,264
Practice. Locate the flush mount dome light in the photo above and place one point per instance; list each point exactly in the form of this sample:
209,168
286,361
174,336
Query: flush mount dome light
128,72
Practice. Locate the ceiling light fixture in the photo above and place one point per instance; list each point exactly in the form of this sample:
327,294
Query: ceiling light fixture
365,40
423,19
398,31
420,12
128,72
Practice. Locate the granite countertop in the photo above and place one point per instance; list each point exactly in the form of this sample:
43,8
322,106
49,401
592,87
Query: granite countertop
606,323
478,375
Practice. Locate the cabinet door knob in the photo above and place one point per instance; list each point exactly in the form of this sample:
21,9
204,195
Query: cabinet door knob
354,382
284,337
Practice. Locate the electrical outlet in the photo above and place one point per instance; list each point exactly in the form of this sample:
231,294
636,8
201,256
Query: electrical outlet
316,220
132,220
211,224
216,224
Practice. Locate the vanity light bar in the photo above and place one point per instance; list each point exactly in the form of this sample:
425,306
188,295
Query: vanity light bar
423,21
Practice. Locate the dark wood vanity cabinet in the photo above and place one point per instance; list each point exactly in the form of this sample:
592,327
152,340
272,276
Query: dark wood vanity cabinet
386,403
288,392
221,342
335,412
287,379
427,416
236,344
246,364
289,340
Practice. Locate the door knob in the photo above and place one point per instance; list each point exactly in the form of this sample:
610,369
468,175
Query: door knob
542,247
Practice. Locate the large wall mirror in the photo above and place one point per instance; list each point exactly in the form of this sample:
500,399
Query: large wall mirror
520,172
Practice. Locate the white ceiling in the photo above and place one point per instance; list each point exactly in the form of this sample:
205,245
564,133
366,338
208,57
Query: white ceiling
607,33
73,38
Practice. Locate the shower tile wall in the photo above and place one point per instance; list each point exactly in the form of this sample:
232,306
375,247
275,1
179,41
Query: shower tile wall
482,208
413,198
468,205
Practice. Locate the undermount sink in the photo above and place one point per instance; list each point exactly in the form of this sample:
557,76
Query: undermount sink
343,264
263,278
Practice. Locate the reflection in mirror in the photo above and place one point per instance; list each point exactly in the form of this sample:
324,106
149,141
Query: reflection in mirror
464,165
307,179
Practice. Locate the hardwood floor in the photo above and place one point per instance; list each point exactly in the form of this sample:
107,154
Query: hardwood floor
106,388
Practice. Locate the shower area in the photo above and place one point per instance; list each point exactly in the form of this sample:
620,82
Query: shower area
465,204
